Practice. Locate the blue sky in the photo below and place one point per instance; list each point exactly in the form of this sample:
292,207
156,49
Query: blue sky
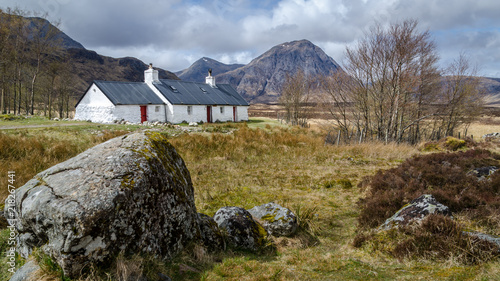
172,34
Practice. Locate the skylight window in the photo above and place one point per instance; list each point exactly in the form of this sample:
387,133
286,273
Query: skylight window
203,89
173,88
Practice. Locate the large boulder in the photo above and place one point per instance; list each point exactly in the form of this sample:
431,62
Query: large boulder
242,231
415,212
132,193
277,220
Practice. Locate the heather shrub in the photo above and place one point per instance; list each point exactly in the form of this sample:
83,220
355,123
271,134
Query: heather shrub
444,175
438,238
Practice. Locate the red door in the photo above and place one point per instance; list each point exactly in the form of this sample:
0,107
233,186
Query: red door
144,113
209,114
234,113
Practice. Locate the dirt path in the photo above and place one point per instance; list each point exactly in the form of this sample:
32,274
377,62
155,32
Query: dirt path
40,126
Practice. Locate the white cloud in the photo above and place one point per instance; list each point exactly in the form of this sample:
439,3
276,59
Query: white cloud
179,32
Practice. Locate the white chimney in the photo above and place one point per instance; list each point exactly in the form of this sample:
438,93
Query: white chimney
151,75
210,80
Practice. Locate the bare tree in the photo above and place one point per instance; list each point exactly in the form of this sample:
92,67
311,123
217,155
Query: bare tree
390,82
43,42
460,100
295,97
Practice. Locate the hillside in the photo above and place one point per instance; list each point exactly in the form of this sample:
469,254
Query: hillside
260,81
199,69
491,88
88,66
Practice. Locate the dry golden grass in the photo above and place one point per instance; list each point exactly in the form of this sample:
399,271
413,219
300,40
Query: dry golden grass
28,152
484,126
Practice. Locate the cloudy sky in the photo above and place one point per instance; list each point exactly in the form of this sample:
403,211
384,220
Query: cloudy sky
172,34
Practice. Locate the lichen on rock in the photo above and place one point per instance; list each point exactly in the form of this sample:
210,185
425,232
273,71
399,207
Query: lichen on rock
132,193
242,231
277,220
416,211
210,233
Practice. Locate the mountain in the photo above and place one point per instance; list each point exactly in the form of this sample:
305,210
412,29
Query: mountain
199,69
35,24
88,66
260,81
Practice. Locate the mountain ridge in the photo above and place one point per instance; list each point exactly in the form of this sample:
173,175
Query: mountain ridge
199,69
261,80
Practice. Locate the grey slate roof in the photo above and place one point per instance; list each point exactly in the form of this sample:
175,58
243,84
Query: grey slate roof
128,92
194,93
175,91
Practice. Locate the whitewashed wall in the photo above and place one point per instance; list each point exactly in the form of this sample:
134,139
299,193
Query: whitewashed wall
132,113
241,113
180,113
226,116
97,114
95,106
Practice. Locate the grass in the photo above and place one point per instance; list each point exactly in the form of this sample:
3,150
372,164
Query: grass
255,163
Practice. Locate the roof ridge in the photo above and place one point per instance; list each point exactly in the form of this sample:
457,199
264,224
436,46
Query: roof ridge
121,82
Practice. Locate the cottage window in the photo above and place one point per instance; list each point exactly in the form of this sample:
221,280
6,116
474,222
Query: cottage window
157,108
189,109
221,110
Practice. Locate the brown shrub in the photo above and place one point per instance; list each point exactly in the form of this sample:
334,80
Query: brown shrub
439,237
444,175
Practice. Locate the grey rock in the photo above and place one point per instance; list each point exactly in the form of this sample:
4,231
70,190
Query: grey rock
132,193
416,211
210,233
491,136
163,277
277,220
28,272
486,237
483,173
242,231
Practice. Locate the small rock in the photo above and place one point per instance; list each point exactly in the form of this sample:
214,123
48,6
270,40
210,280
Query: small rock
163,277
242,230
277,220
416,210
483,172
490,238
193,124
491,136
210,233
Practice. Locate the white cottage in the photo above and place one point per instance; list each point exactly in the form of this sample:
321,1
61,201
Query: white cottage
162,100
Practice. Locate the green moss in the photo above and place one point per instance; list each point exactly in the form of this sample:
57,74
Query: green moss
454,143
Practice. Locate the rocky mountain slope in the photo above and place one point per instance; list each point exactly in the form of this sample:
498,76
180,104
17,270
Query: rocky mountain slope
199,69
35,23
86,66
261,80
